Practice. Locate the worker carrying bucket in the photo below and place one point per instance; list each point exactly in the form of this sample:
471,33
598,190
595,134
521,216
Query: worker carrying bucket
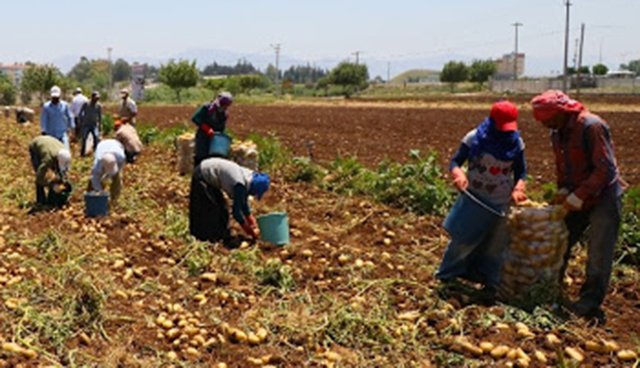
495,176
211,119
208,212
51,161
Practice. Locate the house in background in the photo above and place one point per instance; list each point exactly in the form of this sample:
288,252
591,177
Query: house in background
505,66
13,71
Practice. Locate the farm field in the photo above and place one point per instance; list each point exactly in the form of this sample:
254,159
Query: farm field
355,287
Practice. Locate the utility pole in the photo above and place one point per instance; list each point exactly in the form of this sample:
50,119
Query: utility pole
357,54
515,52
388,72
580,60
566,47
109,49
276,47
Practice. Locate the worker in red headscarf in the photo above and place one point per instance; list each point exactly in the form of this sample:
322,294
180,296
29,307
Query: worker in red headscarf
589,187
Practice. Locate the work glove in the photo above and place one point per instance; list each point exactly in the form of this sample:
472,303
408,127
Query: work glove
251,219
518,195
560,196
572,203
459,178
248,229
207,130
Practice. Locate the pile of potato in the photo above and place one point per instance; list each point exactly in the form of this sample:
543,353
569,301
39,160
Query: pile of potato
245,153
539,239
185,144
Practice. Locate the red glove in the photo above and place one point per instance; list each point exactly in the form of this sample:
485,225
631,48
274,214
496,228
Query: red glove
208,130
251,219
518,195
459,178
248,229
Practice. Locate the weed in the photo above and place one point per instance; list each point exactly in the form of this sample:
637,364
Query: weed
304,170
273,155
48,244
276,275
196,256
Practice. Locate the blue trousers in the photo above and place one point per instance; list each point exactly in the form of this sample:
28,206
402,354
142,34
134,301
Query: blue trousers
84,132
603,222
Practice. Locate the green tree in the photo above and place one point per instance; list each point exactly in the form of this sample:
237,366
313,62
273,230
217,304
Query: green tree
454,72
599,69
8,91
351,77
179,75
121,70
252,81
633,66
81,72
40,78
481,70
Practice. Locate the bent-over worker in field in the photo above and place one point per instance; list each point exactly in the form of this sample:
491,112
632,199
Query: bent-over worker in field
208,212
90,118
210,118
107,165
51,161
55,118
496,174
589,187
128,136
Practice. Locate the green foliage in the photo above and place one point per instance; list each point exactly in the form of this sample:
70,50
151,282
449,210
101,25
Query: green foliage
273,154
276,275
599,69
215,84
633,65
304,170
81,72
481,70
246,83
454,72
350,76
121,71
628,250
241,67
179,75
8,91
40,78
304,74
107,124
164,94
357,329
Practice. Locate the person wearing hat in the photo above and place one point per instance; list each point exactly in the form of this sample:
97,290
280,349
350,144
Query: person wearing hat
128,108
90,118
210,118
495,174
589,187
56,119
51,162
128,136
107,165
208,213
77,102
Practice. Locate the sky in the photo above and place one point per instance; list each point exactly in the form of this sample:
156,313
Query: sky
387,34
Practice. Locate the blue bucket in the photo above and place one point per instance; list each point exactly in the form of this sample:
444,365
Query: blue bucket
470,220
97,204
220,145
274,228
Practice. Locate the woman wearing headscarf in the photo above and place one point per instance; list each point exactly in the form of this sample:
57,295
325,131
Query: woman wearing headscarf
495,175
589,187
210,118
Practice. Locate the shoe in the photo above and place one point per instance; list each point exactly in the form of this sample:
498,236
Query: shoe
588,311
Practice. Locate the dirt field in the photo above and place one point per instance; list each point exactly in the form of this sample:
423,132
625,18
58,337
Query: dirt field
355,287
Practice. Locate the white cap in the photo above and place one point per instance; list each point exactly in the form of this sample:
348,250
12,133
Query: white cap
55,91
78,90
64,159
124,90
109,164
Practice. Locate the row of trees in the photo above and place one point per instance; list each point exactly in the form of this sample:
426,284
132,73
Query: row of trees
478,71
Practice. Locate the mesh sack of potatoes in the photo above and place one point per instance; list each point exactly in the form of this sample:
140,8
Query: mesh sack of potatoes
535,255
185,145
245,153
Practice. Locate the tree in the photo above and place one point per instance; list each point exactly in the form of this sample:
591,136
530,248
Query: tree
40,78
599,69
121,71
454,72
481,70
179,75
252,81
351,77
633,66
81,72
7,91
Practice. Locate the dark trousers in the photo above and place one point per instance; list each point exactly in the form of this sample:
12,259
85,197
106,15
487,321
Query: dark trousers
208,211
603,222
201,150
84,133
35,162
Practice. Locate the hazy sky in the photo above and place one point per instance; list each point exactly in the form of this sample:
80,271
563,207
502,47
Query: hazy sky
46,31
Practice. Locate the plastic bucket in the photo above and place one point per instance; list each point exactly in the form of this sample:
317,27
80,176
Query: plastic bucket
274,228
469,221
97,204
220,145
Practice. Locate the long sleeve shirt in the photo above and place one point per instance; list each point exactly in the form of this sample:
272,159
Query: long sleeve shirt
585,158
56,119
46,150
76,104
232,179
91,115
212,117
98,172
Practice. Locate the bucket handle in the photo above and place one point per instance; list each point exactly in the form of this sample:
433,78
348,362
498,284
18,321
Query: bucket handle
483,205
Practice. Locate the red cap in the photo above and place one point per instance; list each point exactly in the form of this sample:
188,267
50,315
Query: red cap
505,116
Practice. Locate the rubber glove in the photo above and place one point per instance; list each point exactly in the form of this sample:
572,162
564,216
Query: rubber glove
208,130
249,230
518,195
459,178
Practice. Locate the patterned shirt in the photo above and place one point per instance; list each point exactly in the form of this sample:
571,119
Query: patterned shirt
585,159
